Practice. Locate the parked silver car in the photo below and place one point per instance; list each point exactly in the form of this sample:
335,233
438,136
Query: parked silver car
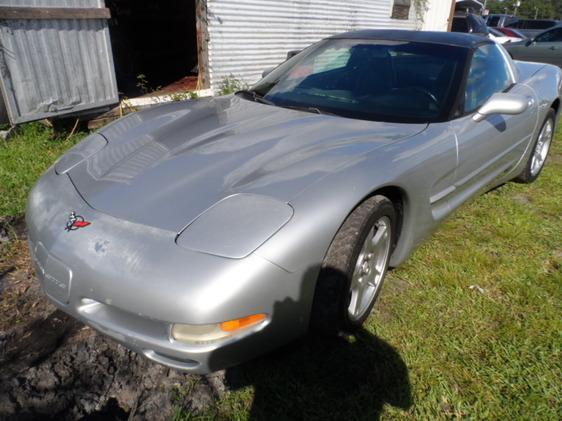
545,47
203,233
533,27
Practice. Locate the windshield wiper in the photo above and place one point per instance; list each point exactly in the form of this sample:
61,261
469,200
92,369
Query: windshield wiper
308,109
254,96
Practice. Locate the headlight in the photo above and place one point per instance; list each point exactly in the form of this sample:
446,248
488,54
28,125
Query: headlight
83,150
205,334
236,226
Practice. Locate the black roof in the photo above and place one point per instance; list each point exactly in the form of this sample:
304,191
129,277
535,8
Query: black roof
456,39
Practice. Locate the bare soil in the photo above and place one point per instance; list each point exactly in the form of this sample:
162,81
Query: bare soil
54,367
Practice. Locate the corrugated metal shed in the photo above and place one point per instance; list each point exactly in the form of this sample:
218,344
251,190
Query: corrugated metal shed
249,36
55,66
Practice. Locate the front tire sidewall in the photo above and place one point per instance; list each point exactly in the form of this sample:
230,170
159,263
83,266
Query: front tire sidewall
384,209
527,176
331,299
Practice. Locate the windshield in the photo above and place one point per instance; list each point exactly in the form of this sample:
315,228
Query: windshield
393,81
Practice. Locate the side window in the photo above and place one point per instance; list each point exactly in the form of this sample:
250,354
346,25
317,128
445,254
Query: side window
554,35
519,24
539,24
488,74
493,21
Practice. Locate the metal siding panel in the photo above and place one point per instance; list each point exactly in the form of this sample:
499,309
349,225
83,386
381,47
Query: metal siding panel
249,36
54,67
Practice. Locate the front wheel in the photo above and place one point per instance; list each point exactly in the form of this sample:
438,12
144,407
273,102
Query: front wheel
354,268
541,147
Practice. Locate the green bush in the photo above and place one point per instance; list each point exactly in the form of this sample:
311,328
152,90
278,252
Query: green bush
231,84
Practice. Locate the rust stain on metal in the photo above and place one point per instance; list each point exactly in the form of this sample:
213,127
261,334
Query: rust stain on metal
54,13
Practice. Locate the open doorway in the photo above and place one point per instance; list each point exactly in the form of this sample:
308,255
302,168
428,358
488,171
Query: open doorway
154,45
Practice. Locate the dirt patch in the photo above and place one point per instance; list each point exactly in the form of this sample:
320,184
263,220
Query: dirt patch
523,199
21,299
554,263
53,367
80,374
555,158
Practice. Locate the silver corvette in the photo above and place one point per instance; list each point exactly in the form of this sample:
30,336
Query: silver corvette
203,233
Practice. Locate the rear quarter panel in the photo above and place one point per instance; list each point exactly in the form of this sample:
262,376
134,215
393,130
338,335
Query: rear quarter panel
546,81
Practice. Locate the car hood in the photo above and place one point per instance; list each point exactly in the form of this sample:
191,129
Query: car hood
164,166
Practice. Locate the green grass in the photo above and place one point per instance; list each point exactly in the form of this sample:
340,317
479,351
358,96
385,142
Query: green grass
23,159
469,327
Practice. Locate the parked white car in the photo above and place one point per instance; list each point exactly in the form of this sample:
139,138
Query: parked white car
500,37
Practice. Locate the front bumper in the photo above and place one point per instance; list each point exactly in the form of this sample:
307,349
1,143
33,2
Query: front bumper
151,338
132,282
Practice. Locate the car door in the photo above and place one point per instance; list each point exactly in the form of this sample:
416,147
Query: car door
546,47
492,147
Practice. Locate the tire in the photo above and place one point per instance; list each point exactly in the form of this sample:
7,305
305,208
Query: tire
349,266
536,160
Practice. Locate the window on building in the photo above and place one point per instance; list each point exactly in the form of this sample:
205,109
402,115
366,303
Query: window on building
401,9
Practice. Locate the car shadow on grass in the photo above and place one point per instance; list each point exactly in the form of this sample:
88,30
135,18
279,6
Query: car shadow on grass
341,378
321,378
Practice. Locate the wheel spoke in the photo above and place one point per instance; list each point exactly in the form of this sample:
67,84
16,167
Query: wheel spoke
379,235
369,268
352,308
356,279
548,131
355,304
371,281
358,264
544,149
541,148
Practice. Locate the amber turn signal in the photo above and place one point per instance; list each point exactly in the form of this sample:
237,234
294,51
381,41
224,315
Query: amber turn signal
242,323
206,334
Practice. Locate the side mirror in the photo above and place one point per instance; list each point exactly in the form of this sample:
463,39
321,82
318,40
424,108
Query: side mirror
502,103
292,53
267,71
529,42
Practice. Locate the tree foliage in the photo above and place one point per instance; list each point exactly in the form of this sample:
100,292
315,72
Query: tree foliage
540,9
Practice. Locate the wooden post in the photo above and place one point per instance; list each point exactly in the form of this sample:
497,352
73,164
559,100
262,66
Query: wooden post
202,42
54,13
451,14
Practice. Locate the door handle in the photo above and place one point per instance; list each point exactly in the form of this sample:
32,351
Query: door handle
553,48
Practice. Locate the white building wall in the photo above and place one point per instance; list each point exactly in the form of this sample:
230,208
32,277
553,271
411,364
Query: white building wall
436,17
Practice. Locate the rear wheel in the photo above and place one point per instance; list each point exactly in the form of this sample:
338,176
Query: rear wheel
541,147
354,268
